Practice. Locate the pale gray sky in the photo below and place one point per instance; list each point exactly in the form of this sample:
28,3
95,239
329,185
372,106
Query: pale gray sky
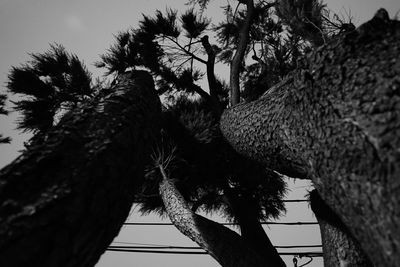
86,28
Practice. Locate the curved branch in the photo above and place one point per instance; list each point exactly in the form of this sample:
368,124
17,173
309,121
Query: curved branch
223,244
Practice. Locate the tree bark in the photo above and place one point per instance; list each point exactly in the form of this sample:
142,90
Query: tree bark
336,120
339,246
223,244
66,197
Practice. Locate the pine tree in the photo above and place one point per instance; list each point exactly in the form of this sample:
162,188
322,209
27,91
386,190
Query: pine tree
244,190
182,177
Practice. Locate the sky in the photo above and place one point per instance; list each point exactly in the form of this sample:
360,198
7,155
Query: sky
86,28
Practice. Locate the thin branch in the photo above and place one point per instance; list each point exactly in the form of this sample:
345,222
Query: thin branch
185,50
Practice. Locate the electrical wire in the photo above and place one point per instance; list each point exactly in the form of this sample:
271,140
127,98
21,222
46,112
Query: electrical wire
140,244
295,200
192,247
303,254
269,223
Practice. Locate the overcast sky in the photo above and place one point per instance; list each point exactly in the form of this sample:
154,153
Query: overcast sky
86,28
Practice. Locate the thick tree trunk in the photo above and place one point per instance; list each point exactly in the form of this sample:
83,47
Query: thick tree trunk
337,121
340,248
64,200
223,244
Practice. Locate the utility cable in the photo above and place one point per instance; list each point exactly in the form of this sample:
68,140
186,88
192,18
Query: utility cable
269,223
303,254
153,246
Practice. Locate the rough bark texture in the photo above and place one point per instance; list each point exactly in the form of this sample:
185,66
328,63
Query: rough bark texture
340,248
64,200
223,244
337,121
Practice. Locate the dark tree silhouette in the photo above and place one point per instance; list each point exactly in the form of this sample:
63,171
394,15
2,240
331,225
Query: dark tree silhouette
66,197
282,130
51,84
3,111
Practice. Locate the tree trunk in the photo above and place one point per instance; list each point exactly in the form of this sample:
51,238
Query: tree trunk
336,120
223,244
252,231
66,197
340,248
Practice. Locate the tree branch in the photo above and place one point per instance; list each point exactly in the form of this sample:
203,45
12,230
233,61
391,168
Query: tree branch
223,244
185,50
214,87
239,55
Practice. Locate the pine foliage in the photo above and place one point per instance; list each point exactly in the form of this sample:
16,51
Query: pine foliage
50,82
162,24
193,23
3,111
158,46
205,167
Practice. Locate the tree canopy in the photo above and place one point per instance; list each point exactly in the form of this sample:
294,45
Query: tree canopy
194,165
51,83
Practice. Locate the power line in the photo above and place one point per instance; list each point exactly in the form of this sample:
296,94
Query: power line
290,223
295,200
140,244
268,223
309,253
285,200
153,247
193,247
157,251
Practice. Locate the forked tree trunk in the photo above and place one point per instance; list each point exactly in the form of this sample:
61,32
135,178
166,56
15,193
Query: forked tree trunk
64,200
223,244
336,120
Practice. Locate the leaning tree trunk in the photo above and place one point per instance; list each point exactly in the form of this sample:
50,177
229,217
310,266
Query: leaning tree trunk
251,229
339,247
337,121
223,244
64,200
